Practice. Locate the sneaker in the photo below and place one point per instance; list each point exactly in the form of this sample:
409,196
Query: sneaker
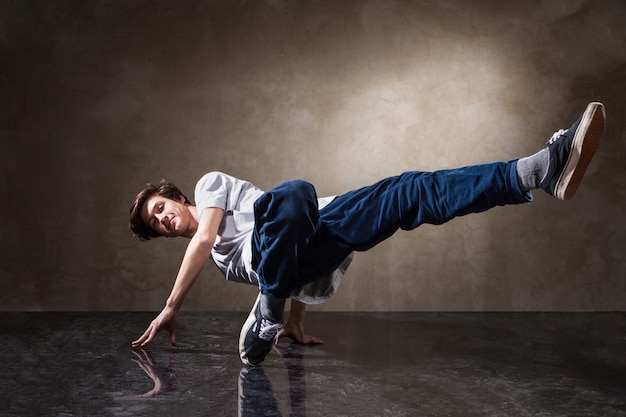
257,335
571,151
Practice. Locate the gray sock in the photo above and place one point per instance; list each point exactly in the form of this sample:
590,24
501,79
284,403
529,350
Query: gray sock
272,308
532,169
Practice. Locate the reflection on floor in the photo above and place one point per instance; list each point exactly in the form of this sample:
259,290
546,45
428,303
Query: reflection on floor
372,364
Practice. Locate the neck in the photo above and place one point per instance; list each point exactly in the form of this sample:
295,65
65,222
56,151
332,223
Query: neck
193,224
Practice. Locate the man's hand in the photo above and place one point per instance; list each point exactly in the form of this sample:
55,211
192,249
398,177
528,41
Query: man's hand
166,320
294,327
296,332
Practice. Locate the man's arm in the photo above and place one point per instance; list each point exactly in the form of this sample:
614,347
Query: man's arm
196,255
294,327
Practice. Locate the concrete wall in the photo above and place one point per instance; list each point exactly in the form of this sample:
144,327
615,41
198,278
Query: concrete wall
98,98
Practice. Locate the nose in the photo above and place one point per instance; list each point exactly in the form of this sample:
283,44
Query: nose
162,218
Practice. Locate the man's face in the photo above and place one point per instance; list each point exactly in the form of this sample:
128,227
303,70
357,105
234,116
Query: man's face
168,217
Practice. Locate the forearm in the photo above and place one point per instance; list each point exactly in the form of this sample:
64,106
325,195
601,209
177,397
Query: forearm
297,311
196,255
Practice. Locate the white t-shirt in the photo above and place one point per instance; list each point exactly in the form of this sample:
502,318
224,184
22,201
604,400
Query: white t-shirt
232,251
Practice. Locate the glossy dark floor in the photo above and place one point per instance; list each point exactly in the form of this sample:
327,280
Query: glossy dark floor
372,364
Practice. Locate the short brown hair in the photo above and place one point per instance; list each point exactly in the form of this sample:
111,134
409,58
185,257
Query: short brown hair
165,189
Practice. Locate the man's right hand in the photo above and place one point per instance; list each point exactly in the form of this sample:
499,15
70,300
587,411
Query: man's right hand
166,320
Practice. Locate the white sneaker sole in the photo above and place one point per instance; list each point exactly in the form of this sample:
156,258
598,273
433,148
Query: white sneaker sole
244,330
584,145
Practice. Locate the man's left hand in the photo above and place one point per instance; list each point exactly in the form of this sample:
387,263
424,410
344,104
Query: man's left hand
296,332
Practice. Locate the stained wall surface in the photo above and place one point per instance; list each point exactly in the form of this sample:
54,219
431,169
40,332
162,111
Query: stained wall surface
98,98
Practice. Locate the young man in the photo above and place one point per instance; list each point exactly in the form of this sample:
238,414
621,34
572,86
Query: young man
294,245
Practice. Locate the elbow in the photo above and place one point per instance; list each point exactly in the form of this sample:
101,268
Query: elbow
205,241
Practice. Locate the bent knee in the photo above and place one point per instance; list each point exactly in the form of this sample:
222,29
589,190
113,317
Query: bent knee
293,197
298,189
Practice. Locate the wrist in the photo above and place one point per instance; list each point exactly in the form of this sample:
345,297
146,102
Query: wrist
295,318
171,305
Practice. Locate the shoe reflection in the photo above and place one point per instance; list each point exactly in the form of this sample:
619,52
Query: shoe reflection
163,377
256,397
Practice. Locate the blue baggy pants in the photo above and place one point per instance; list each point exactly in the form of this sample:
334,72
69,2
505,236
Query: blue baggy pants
294,242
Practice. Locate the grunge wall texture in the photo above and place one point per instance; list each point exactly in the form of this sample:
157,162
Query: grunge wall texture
98,98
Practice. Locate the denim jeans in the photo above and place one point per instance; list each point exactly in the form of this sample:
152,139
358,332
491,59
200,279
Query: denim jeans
294,242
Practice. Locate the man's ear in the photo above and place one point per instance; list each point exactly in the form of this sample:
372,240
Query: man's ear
181,199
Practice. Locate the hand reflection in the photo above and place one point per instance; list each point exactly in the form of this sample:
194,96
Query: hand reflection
256,396
163,377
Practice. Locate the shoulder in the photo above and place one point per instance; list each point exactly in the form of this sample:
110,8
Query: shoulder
216,176
215,180
212,190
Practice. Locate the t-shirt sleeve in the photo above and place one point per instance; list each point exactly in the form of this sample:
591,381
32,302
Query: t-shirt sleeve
212,191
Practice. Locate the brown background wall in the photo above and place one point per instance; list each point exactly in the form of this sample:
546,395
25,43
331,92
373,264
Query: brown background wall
98,98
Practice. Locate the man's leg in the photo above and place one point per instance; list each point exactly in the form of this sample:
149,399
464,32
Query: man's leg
286,219
292,246
360,219
293,241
